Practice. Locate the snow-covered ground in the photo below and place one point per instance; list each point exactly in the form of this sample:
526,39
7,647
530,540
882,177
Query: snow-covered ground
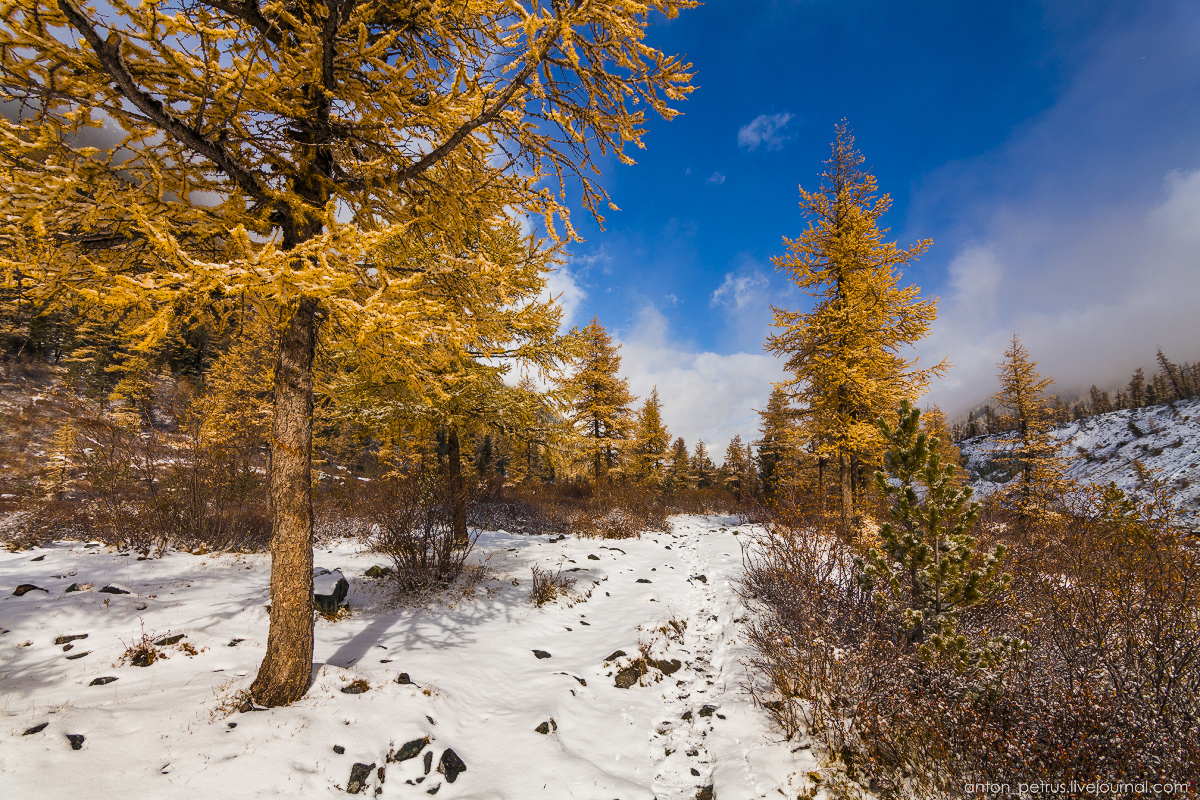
168,730
1128,447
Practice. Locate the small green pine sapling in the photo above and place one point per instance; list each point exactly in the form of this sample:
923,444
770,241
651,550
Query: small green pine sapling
928,569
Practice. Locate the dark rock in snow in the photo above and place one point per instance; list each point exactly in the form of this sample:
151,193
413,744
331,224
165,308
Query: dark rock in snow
705,793
42,557
35,729
102,681
687,715
643,580
615,655
707,711
628,677
329,589
76,740
593,557
428,761
411,749
74,587
695,772
701,578
543,728
169,640
79,655
451,765
26,588
235,642
359,774
71,638
378,572
341,751
358,687
114,588
667,667
403,679
541,654
434,790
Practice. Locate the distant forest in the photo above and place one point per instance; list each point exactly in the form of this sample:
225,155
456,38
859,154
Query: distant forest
1170,383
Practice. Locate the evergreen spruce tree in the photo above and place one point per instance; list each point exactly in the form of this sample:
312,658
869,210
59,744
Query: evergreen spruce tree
702,469
1034,454
845,355
1137,389
599,399
928,569
735,469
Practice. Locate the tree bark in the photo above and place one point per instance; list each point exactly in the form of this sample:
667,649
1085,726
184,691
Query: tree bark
844,469
286,669
458,498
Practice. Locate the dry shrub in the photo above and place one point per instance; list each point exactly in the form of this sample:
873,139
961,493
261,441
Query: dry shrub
411,523
548,586
1106,593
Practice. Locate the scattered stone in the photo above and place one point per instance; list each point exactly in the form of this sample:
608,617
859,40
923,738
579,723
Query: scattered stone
432,721
428,761
615,655
705,793
693,753
42,557
102,681
701,578
341,751
378,572
90,545
77,587
359,774
687,714
695,772
403,679
543,728
71,638
450,765
593,557
235,642
356,687
411,749
114,588
79,655
36,729
434,790
231,725
67,647
667,667
628,677
644,580
582,682
26,588
76,740
541,654
169,640
329,589
707,711
720,716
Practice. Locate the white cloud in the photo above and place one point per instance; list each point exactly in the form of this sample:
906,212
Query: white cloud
704,395
1090,308
716,178
561,284
740,290
765,129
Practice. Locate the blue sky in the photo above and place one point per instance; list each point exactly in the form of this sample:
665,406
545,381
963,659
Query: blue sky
1051,150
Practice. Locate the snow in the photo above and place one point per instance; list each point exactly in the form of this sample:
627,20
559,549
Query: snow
1128,447
167,730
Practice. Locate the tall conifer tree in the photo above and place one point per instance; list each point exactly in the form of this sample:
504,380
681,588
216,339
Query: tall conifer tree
651,440
599,399
845,355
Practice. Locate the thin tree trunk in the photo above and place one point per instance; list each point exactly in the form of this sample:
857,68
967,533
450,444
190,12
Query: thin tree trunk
844,470
286,669
458,499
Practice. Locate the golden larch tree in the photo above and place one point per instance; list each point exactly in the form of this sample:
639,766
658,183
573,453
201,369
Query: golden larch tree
599,399
229,147
847,354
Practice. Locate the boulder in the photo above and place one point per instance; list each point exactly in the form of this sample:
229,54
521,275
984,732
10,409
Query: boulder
76,740
329,589
451,765
411,749
359,774
403,679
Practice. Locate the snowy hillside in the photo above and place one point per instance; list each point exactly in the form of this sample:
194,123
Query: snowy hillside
1129,448
534,702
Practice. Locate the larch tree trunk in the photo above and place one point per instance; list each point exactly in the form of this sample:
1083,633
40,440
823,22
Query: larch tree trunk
458,498
286,669
844,470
